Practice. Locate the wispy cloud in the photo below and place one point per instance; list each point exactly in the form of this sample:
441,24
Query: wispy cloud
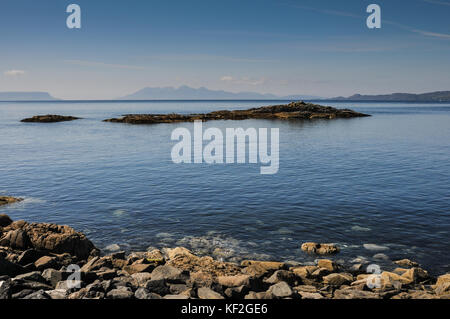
404,27
208,57
14,73
105,65
243,80
442,3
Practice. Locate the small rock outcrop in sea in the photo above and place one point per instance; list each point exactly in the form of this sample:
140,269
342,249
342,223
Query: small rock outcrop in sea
292,111
49,119
320,249
34,261
5,200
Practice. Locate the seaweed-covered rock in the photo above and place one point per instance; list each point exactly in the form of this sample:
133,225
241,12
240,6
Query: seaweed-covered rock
292,111
50,118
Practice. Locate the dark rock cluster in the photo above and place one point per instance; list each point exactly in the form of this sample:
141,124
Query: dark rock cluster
49,119
292,111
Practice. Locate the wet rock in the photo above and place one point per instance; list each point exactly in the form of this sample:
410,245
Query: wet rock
381,256
6,200
406,263
4,219
49,119
338,279
207,293
320,249
375,247
280,290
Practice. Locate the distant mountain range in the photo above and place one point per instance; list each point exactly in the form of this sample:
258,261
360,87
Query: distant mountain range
440,96
187,93
26,96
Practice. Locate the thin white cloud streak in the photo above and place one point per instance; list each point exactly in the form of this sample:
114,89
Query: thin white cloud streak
106,65
14,73
404,27
441,3
207,57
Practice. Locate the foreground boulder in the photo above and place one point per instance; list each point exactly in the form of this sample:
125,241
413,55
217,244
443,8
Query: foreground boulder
292,111
49,119
46,237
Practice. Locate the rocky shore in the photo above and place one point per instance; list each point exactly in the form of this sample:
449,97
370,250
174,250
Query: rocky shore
292,111
37,259
49,119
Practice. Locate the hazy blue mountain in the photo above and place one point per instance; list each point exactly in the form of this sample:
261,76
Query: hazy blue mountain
188,93
441,96
26,96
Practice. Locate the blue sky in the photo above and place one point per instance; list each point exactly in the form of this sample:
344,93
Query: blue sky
283,47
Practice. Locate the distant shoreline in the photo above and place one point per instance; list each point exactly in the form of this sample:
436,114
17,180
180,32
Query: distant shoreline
220,100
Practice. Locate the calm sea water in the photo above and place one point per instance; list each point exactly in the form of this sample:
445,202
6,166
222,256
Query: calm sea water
381,180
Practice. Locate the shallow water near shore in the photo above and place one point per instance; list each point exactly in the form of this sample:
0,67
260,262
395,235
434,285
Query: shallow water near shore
376,185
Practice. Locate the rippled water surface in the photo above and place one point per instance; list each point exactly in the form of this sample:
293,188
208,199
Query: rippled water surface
380,180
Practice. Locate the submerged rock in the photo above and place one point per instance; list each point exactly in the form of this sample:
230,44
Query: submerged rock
49,119
5,200
292,111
